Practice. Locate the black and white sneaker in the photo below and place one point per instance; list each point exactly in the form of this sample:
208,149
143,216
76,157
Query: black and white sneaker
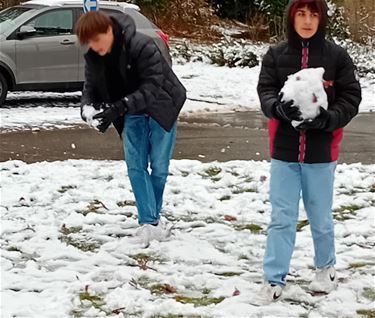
325,280
267,294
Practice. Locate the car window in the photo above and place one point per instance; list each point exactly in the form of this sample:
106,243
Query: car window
51,23
8,16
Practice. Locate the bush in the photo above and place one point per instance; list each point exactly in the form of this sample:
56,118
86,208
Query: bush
337,23
225,53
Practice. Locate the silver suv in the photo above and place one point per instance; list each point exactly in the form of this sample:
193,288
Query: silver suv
39,50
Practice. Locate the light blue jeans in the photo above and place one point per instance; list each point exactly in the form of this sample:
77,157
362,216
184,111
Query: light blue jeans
288,181
147,147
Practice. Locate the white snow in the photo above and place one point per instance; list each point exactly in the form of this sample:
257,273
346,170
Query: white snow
209,89
88,112
67,226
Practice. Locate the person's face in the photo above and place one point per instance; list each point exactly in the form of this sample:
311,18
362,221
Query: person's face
102,43
306,22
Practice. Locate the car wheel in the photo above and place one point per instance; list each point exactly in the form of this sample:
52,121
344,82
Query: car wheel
3,89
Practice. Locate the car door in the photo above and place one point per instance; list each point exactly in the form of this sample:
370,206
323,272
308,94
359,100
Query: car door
50,54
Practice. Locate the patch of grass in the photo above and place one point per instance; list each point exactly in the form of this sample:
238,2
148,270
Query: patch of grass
213,171
69,230
372,188
228,274
369,293
174,316
244,257
142,257
244,190
301,224
93,207
199,302
13,249
248,179
162,289
206,291
359,265
167,316
225,198
346,212
184,173
84,246
253,228
369,313
125,203
210,220
88,301
66,188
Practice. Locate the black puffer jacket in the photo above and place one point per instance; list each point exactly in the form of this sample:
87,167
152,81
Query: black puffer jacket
150,85
344,97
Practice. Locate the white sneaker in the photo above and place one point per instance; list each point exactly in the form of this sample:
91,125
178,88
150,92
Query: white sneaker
149,232
325,280
267,294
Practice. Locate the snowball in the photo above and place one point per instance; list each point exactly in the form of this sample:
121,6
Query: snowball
306,89
88,112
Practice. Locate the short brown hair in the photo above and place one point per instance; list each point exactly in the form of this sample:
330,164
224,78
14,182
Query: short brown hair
318,6
91,24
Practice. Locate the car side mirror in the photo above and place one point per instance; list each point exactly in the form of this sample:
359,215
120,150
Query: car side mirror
26,30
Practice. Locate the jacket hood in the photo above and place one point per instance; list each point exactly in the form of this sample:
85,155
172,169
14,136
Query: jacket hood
293,38
127,25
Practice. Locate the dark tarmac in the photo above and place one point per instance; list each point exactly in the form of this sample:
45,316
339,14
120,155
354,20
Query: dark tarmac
208,137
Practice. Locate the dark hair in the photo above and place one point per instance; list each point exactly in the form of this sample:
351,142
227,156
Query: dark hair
318,6
91,24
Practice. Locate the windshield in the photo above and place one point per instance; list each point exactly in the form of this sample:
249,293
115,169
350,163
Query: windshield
8,17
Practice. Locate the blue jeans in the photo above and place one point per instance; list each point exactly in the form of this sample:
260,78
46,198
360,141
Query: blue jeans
288,181
147,145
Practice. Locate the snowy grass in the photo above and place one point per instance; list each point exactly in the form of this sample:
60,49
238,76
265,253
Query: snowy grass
68,248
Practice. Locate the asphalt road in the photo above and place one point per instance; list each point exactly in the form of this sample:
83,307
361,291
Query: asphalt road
209,137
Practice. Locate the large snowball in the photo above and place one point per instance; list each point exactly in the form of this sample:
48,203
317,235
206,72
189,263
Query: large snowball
306,89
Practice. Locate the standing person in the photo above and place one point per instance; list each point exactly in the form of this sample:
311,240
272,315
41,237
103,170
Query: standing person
126,72
303,160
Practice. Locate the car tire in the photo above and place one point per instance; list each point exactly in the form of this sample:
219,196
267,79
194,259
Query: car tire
3,89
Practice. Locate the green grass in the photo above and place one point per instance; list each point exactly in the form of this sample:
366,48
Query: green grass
228,274
301,224
66,188
88,301
245,190
346,212
84,246
225,198
253,228
213,171
369,313
199,301
369,293
93,207
69,230
162,289
126,203
359,265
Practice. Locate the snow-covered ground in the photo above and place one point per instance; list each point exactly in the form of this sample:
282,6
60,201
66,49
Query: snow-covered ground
210,88
67,227
68,250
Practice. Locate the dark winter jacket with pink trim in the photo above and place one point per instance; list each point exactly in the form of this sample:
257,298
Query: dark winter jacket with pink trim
344,97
